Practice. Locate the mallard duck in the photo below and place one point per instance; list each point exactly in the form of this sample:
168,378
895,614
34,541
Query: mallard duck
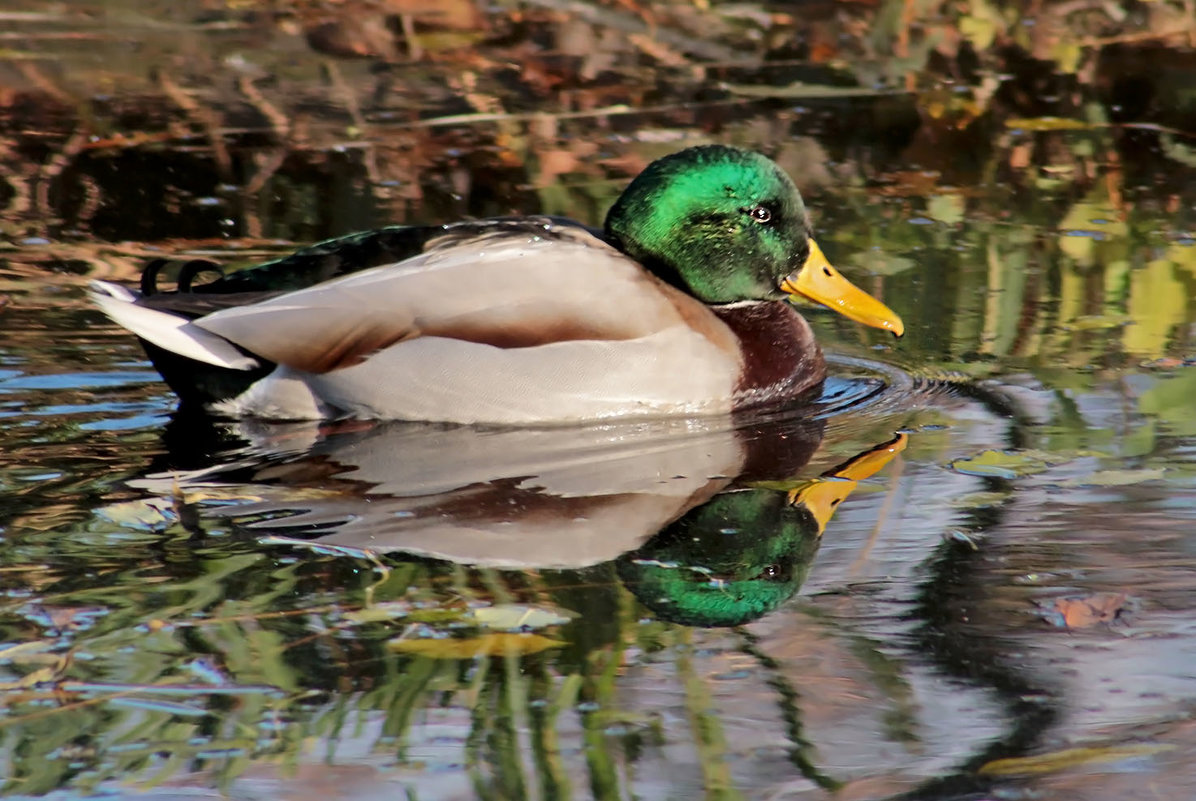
677,307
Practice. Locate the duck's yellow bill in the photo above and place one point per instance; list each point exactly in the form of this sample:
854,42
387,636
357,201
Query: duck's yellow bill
818,281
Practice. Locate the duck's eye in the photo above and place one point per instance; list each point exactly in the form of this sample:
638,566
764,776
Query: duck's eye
761,214
774,572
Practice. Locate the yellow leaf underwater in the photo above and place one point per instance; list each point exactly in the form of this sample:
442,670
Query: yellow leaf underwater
1067,758
379,612
520,617
1010,464
485,645
1047,124
1116,478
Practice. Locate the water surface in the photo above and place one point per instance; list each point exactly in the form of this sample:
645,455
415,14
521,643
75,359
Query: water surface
965,573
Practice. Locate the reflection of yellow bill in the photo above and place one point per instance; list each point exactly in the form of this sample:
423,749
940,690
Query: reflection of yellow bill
823,495
818,281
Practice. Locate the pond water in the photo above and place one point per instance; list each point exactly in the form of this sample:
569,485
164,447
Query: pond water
965,571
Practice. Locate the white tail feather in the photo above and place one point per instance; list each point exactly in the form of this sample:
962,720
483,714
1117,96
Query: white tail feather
168,331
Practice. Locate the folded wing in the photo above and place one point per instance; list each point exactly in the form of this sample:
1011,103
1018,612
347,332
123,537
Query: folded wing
508,290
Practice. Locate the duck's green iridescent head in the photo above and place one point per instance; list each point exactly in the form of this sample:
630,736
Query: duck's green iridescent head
730,225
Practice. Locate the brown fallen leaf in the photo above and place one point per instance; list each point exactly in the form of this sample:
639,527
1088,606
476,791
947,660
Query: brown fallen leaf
1168,363
1078,613
358,36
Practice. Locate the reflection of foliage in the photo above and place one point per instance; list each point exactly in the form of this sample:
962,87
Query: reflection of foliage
192,652
277,673
1074,276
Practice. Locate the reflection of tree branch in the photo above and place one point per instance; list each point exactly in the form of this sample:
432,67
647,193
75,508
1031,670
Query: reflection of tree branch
802,752
345,92
19,177
205,118
38,78
37,190
280,126
54,167
971,653
265,169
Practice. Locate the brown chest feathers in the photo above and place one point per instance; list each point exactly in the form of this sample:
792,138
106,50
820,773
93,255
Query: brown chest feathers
781,359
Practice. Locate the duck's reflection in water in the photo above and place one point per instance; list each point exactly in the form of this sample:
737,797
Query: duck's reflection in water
710,521
741,554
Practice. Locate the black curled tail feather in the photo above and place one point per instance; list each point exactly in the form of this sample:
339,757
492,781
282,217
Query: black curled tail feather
187,273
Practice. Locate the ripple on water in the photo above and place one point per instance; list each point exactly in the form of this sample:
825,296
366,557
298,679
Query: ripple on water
15,381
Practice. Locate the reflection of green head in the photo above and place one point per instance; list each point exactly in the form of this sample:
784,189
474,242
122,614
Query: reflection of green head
726,562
